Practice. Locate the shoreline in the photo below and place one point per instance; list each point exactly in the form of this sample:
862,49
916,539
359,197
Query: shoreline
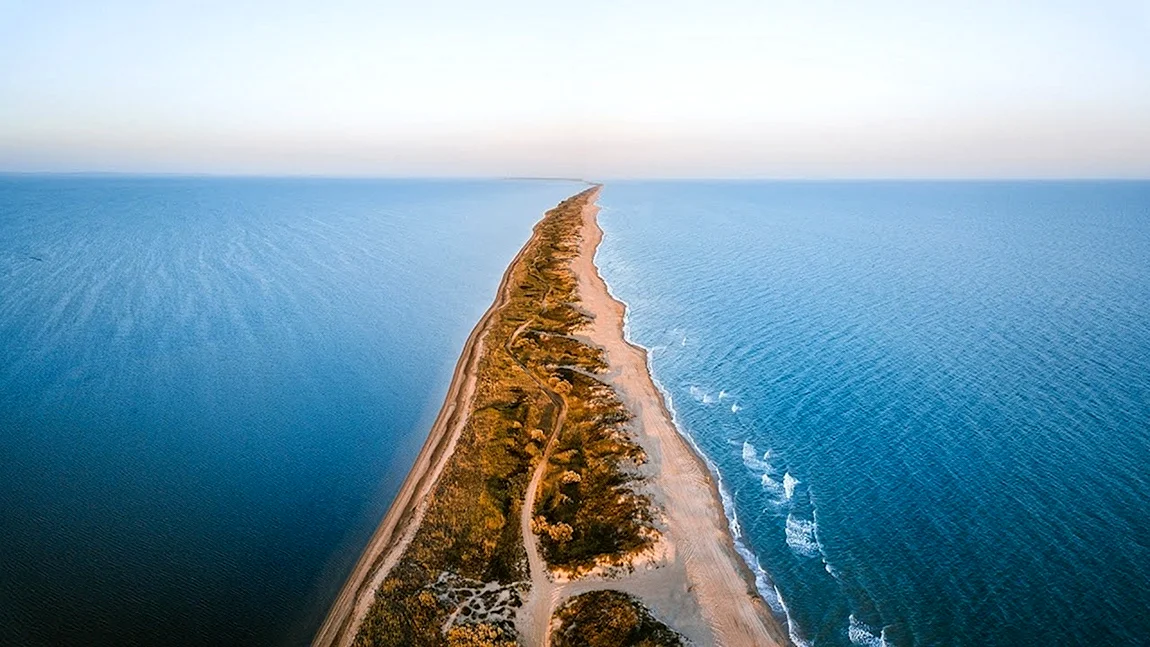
722,581
384,548
695,579
755,574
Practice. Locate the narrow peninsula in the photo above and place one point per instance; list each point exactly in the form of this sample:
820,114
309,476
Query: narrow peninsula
554,502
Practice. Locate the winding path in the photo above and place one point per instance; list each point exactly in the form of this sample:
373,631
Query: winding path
534,617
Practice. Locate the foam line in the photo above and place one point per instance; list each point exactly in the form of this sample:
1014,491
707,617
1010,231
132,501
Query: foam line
763,583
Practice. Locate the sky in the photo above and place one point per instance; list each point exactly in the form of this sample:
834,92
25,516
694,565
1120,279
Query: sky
602,89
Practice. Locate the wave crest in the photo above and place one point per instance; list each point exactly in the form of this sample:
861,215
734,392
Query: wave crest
863,634
801,536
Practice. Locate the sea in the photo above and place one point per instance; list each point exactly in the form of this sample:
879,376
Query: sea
927,403
211,389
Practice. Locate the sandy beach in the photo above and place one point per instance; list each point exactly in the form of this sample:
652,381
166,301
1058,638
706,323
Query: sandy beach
692,580
699,556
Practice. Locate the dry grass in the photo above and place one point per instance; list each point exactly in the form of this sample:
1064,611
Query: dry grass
609,619
586,511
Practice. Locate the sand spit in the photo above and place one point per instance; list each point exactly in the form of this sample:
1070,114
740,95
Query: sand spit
693,580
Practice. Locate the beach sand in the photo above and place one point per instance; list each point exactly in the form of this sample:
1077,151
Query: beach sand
722,607
693,580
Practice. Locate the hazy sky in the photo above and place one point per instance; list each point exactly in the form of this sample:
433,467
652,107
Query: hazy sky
809,88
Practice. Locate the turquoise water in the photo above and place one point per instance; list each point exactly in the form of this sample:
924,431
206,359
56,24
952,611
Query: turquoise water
929,403
210,389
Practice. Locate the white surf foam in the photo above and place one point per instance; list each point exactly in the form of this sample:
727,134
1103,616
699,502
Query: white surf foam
792,628
789,483
701,395
863,634
752,461
801,536
771,484
763,583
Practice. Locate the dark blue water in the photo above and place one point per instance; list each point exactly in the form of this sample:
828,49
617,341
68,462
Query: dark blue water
210,389
929,402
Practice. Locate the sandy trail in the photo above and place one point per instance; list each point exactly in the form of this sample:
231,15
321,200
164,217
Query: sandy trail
532,619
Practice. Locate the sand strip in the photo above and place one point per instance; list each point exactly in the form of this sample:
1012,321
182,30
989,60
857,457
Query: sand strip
695,582
713,580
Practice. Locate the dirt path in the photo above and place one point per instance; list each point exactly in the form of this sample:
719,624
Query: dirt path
540,597
537,606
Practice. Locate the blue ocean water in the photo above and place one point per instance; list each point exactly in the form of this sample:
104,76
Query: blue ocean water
210,389
929,403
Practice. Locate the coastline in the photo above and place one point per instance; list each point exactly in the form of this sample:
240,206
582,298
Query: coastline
754,573
694,579
697,527
385,547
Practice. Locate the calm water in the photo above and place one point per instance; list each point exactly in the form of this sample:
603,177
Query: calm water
930,403
210,389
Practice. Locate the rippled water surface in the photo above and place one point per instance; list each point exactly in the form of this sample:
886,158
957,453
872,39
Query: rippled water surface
210,389
928,402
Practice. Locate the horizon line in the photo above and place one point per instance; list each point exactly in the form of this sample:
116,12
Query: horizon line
559,178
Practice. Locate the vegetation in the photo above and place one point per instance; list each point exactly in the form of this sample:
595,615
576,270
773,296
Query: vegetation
610,619
533,376
586,512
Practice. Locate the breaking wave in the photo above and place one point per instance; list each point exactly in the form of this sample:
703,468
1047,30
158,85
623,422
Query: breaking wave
801,536
789,483
792,627
763,583
863,634
753,462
